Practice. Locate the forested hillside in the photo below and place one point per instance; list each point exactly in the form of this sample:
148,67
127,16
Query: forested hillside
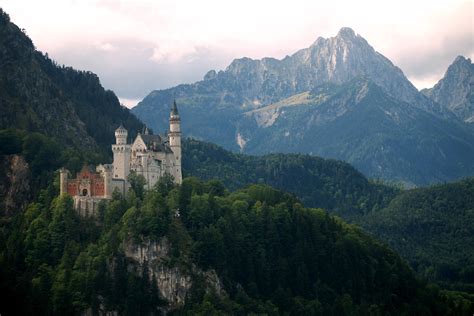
38,95
330,184
433,228
268,255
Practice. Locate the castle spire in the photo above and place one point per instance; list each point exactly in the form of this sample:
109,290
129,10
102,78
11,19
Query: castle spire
174,109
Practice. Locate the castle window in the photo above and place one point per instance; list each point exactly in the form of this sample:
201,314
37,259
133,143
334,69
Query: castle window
84,192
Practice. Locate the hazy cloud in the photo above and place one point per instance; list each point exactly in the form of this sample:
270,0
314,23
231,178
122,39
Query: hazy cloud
131,68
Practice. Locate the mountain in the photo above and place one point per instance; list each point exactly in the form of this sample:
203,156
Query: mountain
37,95
433,229
455,90
338,98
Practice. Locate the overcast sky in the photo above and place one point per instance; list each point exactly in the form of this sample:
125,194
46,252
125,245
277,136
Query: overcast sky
141,45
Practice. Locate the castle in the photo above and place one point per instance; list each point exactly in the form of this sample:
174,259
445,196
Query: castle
151,156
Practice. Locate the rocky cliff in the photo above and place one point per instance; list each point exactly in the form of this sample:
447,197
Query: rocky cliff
14,185
455,91
173,283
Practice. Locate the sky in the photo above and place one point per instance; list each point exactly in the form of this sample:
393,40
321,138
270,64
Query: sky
136,46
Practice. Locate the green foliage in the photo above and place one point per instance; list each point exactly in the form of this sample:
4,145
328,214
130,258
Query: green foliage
433,228
272,255
11,141
137,183
324,183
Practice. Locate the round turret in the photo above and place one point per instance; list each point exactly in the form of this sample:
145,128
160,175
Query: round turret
121,135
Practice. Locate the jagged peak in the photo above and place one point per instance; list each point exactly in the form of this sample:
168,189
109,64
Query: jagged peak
346,32
318,41
240,63
211,74
460,64
462,59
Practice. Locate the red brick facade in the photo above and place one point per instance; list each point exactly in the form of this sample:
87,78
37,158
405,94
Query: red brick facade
87,183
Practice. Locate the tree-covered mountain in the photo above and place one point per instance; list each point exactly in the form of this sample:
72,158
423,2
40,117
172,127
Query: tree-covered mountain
430,227
324,183
37,95
338,98
256,250
433,228
455,90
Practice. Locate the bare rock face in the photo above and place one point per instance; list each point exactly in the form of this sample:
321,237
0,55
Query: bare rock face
15,185
455,90
173,283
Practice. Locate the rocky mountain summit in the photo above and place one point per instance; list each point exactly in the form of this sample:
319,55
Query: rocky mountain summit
455,90
338,98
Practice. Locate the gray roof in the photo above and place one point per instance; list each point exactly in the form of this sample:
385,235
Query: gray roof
156,143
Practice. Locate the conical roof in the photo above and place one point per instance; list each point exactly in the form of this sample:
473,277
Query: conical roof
174,109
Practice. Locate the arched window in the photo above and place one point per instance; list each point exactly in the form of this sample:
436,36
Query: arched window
84,192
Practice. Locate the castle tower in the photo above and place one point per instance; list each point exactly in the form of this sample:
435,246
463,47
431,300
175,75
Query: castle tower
175,142
122,152
63,180
121,135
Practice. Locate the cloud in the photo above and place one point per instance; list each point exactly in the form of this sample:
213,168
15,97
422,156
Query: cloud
105,47
131,71
129,103
425,54
141,45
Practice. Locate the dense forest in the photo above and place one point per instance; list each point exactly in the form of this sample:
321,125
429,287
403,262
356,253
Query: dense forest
271,255
325,183
433,228
430,227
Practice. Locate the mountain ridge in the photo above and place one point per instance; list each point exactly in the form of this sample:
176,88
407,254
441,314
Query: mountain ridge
270,105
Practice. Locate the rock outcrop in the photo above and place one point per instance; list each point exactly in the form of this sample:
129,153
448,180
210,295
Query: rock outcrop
14,185
172,282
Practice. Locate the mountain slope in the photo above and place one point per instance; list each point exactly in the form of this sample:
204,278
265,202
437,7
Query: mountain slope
455,90
433,229
329,184
430,227
37,95
378,134
338,98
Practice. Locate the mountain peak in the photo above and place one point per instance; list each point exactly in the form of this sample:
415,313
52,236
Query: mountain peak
453,91
461,59
346,32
